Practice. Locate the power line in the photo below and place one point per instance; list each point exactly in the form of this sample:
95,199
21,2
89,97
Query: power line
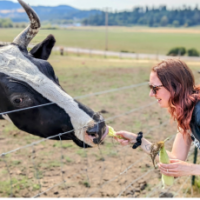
67,132
78,97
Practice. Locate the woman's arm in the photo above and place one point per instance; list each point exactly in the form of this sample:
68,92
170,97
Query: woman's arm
179,150
177,156
180,147
130,138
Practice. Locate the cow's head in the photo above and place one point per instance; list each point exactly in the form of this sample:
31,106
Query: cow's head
27,79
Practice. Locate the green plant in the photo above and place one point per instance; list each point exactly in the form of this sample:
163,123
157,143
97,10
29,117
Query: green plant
197,182
100,158
38,174
112,153
82,153
36,187
9,127
143,169
17,185
177,51
68,159
137,124
16,162
4,171
64,145
196,186
54,164
148,187
5,187
124,51
86,184
193,52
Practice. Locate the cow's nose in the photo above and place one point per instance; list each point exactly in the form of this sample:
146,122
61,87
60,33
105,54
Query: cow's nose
95,133
93,130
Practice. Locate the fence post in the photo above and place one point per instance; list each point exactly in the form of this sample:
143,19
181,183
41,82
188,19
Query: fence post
194,161
61,51
120,55
157,55
78,52
137,56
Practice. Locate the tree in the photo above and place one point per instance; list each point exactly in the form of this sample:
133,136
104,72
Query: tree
193,52
176,23
5,23
177,51
164,21
161,16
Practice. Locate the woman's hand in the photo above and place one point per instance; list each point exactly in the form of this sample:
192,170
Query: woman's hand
176,168
129,138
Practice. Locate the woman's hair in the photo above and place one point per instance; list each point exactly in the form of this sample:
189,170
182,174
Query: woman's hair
178,79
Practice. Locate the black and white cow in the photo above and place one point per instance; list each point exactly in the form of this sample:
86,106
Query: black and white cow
27,79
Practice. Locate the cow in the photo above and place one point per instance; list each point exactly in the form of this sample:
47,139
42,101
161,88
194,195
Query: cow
27,79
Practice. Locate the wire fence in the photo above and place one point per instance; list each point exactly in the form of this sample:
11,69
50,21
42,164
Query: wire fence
120,55
126,55
124,170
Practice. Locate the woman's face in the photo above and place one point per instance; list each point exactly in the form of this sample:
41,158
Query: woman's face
162,94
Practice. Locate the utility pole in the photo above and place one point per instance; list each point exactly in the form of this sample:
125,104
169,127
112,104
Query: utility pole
106,31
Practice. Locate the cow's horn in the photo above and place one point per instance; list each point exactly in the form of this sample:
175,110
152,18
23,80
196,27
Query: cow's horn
24,38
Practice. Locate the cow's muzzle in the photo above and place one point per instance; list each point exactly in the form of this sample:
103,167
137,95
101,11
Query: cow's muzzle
98,132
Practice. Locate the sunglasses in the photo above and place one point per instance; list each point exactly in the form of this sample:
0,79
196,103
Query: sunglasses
155,88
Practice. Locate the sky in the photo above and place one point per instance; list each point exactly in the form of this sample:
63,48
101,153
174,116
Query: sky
113,4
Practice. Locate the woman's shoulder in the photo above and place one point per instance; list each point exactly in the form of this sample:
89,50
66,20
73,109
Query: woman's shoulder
196,113
195,125
197,107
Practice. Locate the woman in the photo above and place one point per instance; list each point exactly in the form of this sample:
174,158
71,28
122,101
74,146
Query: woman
172,84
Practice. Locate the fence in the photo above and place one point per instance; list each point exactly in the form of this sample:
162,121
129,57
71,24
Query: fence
133,180
78,51
120,55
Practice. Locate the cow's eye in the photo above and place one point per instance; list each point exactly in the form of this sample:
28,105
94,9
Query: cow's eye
21,100
17,100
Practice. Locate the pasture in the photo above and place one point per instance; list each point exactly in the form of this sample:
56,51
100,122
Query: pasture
60,168
133,39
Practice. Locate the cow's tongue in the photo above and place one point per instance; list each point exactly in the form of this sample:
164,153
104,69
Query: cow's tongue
105,134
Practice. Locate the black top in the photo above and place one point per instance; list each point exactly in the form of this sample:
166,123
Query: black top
195,125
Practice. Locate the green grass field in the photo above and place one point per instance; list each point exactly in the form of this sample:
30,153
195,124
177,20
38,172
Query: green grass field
135,39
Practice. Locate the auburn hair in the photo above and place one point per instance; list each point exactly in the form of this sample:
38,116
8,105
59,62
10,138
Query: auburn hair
178,79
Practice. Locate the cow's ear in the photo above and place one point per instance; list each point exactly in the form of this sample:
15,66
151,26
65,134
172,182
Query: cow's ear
43,49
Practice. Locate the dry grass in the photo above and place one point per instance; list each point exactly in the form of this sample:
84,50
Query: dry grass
87,172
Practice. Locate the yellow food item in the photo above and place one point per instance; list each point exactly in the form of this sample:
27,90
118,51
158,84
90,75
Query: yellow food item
163,157
112,133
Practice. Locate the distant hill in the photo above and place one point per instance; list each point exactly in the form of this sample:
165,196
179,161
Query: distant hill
14,11
9,5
